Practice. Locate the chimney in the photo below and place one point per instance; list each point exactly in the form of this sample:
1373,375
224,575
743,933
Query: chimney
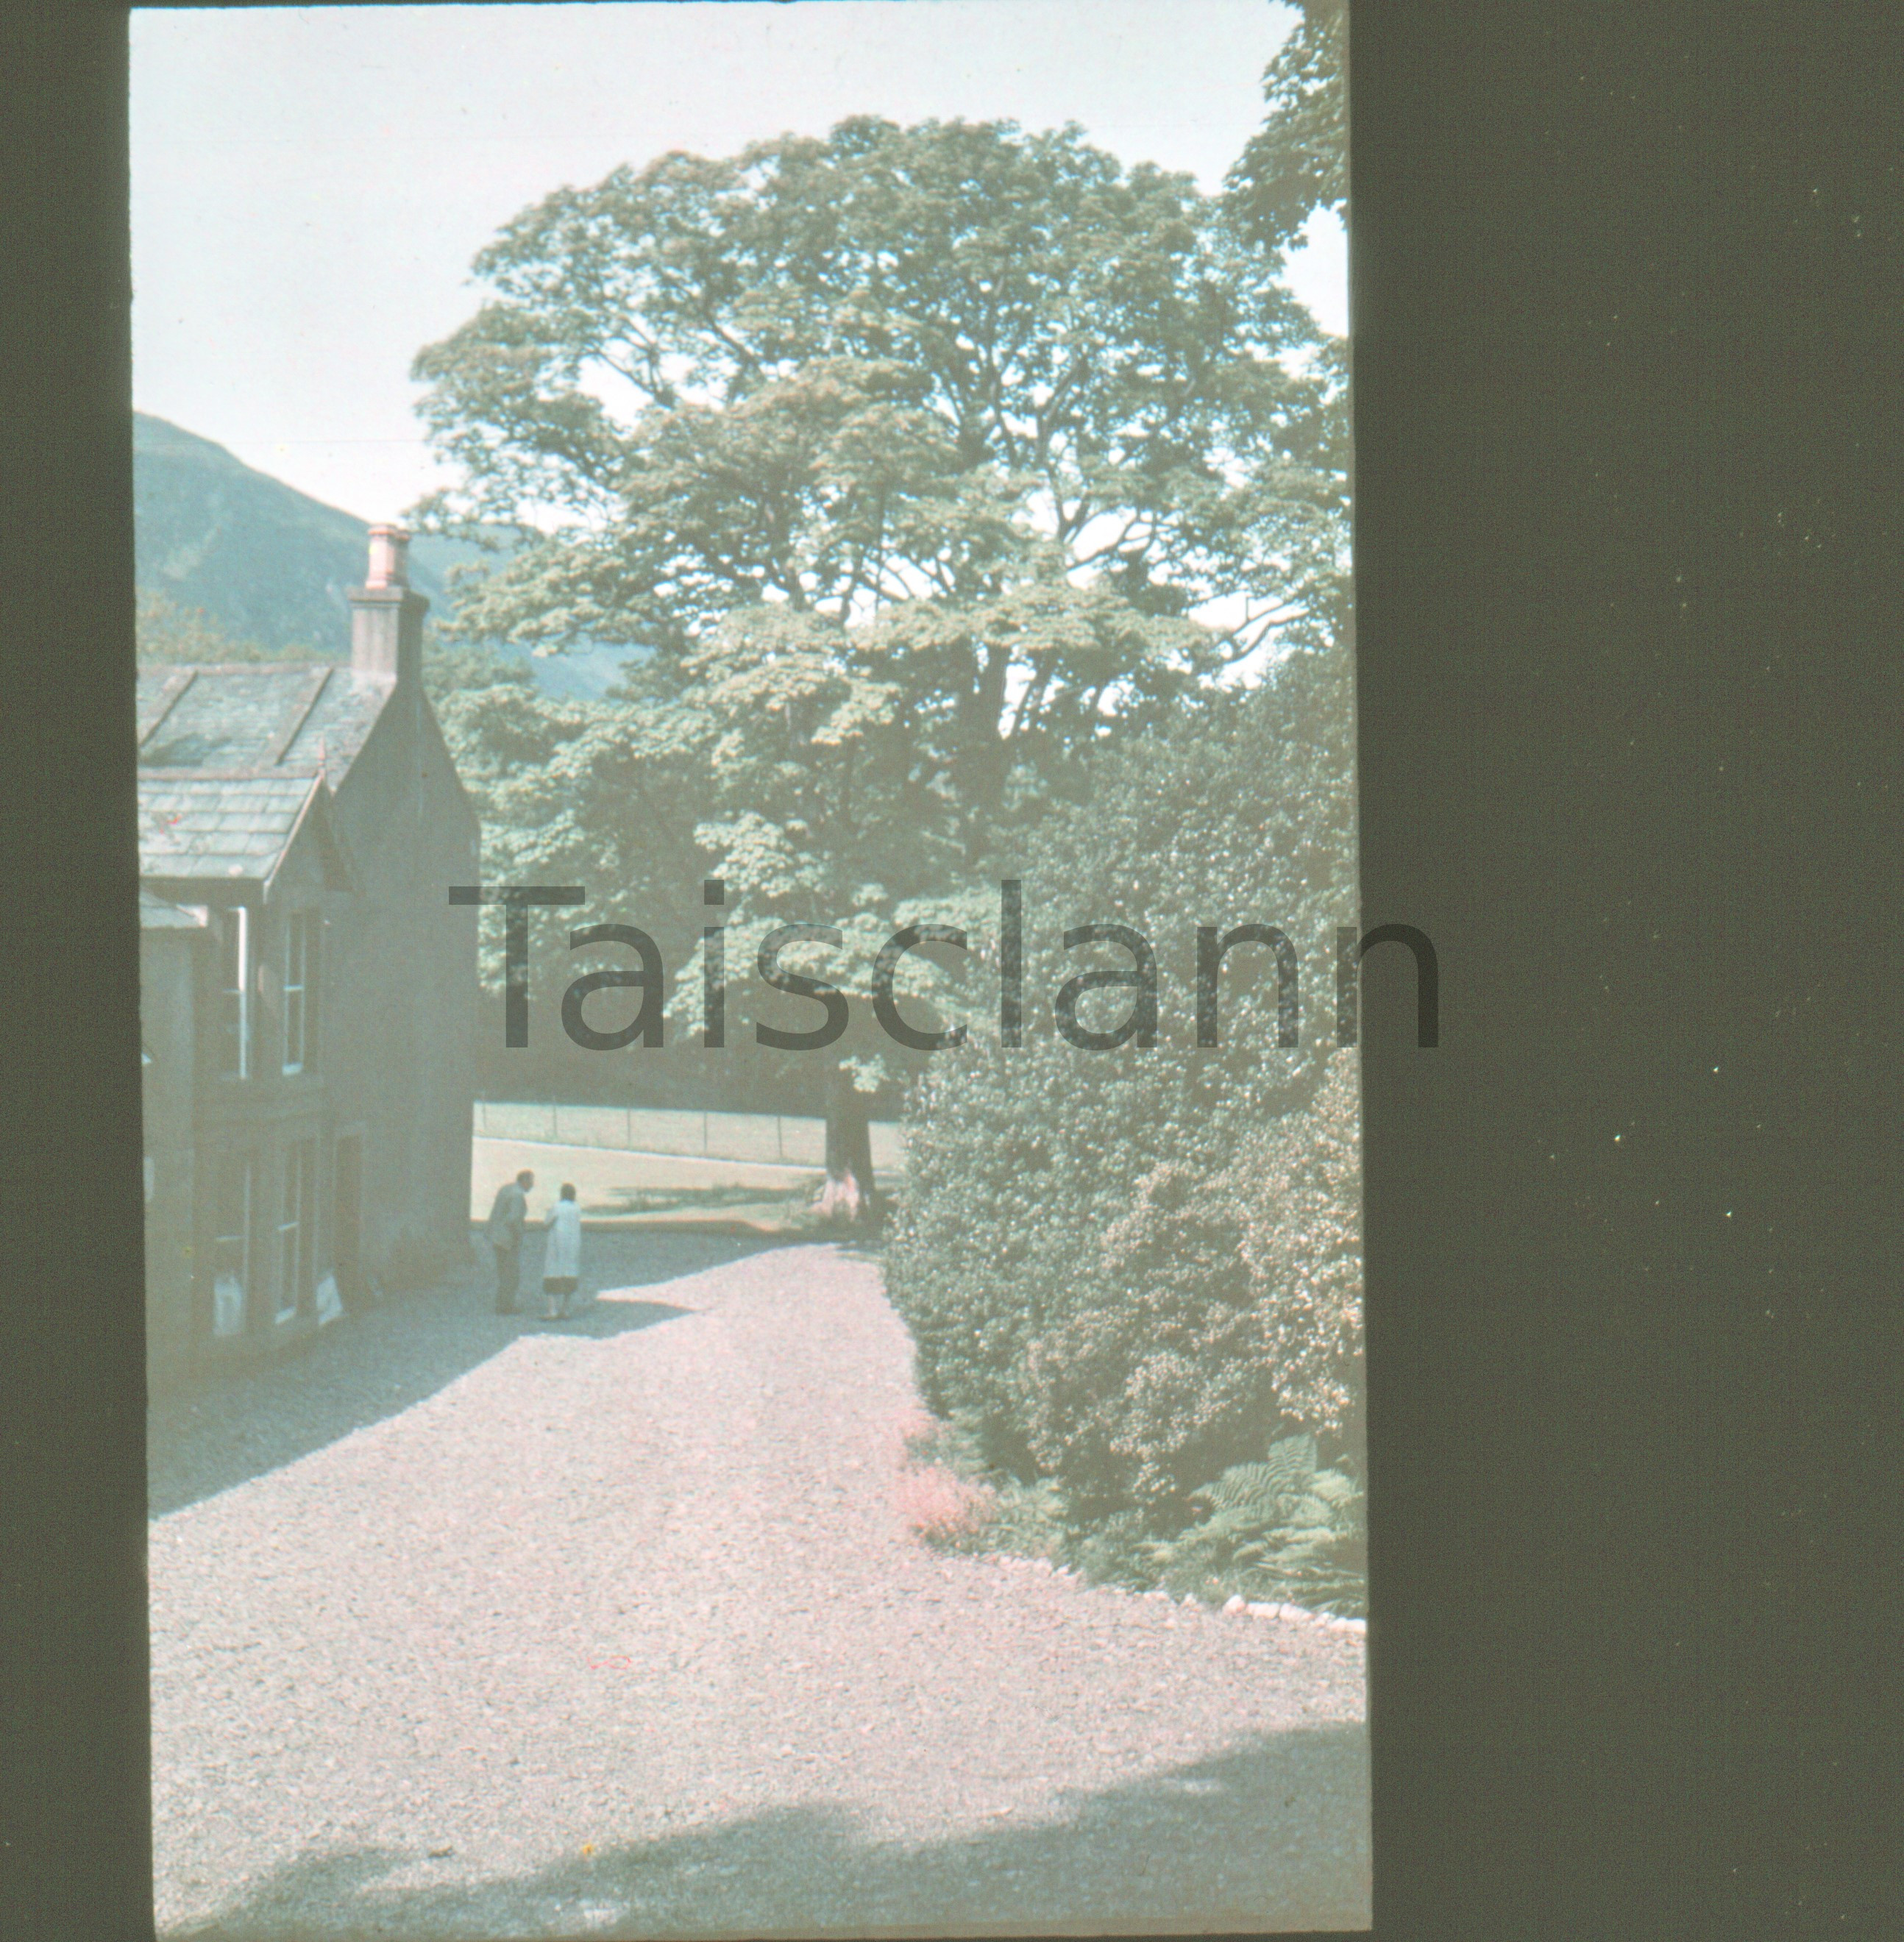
386,617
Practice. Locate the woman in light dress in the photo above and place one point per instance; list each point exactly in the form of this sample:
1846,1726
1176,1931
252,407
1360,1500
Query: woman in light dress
562,1253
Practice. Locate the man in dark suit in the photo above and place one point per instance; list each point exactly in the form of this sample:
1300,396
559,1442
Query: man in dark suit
508,1215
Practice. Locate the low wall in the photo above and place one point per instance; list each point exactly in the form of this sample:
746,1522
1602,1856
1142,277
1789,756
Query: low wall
781,1138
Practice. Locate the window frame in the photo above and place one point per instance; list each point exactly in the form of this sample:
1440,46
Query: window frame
296,1229
242,1166
235,981
300,956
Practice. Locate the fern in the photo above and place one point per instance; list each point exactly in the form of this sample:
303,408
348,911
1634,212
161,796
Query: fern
1281,1528
1262,1491
1333,1487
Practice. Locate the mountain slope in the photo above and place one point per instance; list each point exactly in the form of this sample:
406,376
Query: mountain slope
265,562
268,564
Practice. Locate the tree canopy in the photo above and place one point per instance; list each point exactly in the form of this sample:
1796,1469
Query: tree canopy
1298,162
920,457
937,362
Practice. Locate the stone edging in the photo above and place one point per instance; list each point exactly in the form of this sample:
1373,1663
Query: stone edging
1237,1606
1300,1613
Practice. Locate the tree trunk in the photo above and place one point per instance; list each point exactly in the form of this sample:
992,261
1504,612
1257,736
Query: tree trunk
847,1196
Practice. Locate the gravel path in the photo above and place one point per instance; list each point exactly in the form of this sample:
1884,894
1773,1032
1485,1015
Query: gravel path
610,1627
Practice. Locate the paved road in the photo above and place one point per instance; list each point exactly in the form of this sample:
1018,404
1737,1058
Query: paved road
611,1628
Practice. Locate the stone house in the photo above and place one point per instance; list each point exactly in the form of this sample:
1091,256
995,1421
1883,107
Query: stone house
308,994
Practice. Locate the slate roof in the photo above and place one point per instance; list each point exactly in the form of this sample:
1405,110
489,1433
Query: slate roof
230,759
219,825
290,713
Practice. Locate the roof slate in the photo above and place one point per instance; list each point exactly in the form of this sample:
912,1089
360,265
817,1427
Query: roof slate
261,738
213,826
235,718
339,722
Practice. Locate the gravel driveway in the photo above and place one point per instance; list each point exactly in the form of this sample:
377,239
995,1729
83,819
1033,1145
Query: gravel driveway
610,1627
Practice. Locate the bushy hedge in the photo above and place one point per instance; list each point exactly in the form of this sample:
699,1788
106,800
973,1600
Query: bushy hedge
1130,1270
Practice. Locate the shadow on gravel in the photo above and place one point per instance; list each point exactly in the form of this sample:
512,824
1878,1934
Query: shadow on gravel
223,1427
1270,1838
611,1315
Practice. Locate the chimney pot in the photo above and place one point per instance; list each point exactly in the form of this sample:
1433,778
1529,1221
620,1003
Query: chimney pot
389,557
386,614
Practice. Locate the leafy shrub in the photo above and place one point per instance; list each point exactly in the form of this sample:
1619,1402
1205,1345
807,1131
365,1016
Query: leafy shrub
945,1509
1284,1529
1235,1304
1111,1549
1129,1269
1028,1520
951,1499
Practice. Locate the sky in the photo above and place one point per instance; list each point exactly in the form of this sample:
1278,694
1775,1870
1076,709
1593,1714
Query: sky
309,185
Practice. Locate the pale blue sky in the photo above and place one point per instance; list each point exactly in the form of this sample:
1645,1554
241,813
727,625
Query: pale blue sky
309,185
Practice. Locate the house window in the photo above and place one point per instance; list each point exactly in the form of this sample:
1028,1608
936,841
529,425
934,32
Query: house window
300,990
234,992
231,1246
296,1228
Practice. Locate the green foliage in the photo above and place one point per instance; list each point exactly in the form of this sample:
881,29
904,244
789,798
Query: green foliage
1029,1520
1129,1267
1259,1491
457,667
178,635
1283,1529
1298,161
1111,1548
938,363
921,455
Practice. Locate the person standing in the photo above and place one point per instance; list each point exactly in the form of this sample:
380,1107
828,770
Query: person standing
508,1215
562,1253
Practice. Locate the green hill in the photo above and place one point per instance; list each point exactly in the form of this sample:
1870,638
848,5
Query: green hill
267,564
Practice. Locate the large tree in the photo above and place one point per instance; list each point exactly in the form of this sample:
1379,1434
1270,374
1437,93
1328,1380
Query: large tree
1297,163
922,457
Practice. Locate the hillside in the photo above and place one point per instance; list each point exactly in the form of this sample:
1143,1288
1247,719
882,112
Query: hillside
266,563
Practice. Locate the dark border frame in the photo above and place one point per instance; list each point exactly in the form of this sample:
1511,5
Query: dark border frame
1631,596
